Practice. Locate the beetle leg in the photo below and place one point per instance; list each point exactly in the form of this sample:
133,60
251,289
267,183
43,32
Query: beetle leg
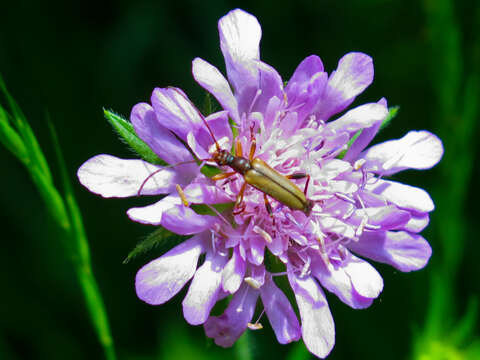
222,176
306,185
239,204
268,207
238,148
300,176
253,145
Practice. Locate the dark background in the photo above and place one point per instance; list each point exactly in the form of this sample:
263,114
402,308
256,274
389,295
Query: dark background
73,58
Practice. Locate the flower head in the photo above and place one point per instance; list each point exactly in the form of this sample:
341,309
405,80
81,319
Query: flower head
296,130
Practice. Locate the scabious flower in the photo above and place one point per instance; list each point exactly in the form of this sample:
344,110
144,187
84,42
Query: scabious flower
297,129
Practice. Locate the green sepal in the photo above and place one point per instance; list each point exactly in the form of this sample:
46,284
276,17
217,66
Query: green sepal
203,209
392,113
207,104
159,237
210,171
127,133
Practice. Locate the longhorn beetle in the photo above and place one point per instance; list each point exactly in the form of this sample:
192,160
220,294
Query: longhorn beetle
256,173
261,176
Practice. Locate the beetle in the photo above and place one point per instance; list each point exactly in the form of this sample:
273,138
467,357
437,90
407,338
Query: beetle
261,176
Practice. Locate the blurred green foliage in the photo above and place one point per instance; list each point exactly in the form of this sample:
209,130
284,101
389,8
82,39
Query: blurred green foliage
76,58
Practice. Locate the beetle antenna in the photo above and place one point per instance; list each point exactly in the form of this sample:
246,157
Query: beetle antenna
144,182
201,116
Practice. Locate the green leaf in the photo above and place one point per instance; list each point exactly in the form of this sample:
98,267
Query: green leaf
127,133
34,156
10,139
203,209
159,237
392,112
81,256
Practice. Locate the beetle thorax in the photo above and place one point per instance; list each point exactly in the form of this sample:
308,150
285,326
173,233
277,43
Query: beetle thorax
222,157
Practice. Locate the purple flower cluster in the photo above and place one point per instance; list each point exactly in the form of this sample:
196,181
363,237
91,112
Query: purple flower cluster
356,211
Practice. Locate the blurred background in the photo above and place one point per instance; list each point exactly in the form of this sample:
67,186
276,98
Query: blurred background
73,58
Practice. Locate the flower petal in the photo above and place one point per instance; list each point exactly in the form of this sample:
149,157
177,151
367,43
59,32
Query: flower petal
305,86
270,85
359,118
337,280
203,292
387,217
157,137
353,75
161,279
416,150
218,123
198,193
364,138
212,80
402,195
110,176
417,223
318,329
240,35
175,111
280,312
403,250
228,327
365,278
303,74
234,272
172,215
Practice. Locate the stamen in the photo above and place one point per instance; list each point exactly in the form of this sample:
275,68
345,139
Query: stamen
182,195
266,236
256,325
359,163
218,214
348,213
292,219
345,197
323,253
252,282
360,228
306,267
257,95
214,248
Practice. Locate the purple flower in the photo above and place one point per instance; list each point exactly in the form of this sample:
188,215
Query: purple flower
297,130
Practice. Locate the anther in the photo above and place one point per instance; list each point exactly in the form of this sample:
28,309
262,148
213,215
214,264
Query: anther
256,326
359,163
252,282
182,195
361,226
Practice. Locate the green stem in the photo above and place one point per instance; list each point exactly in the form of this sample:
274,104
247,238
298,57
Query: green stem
243,348
82,263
